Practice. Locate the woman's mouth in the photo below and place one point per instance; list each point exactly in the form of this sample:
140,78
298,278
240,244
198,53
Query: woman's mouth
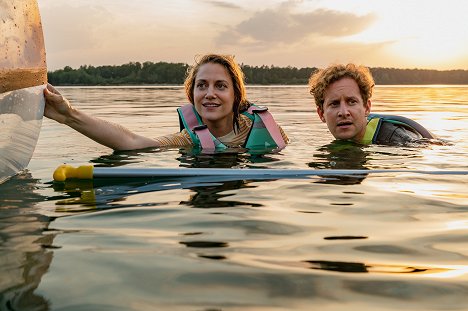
210,105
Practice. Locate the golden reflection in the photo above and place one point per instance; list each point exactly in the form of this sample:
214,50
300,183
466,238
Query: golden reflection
449,188
423,189
442,124
450,272
446,271
457,224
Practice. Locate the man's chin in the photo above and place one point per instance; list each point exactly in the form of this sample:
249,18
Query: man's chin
345,136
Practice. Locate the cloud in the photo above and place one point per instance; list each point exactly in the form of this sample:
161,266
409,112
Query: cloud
223,4
282,25
319,53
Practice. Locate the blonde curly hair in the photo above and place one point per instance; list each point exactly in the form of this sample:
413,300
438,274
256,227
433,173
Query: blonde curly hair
320,80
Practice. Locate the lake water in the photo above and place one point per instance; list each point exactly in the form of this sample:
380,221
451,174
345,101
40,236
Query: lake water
376,242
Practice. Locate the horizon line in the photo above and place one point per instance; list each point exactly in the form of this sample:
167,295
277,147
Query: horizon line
242,64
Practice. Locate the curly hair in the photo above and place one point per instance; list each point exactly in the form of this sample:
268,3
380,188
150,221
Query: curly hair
320,80
235,72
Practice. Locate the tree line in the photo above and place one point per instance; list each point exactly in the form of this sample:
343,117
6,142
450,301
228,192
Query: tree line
163,73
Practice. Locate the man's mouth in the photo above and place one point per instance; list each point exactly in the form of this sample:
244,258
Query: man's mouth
344,123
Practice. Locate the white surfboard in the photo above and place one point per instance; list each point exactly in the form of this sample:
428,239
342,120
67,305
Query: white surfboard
23,76
65,171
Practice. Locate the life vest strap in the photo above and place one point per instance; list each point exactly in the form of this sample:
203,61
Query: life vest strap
372,129
204,135
270,124
190,121
189,116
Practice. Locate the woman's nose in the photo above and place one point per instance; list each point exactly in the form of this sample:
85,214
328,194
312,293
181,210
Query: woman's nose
210,92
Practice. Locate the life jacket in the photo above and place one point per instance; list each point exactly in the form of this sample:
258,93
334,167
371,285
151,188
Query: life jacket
374,122
264,132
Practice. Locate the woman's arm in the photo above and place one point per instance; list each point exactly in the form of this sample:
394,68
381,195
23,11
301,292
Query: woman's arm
109,134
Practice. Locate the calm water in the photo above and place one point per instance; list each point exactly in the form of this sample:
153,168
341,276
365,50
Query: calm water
374,242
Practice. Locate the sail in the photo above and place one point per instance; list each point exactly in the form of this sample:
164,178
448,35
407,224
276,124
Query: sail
23,75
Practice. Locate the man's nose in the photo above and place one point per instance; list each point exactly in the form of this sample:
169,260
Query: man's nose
343,111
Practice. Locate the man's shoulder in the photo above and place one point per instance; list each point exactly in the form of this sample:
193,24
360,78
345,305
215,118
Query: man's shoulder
396,134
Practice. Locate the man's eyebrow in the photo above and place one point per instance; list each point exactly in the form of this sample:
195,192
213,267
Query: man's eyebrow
353,97
333,99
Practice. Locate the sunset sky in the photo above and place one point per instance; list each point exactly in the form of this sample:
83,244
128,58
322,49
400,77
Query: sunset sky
388,33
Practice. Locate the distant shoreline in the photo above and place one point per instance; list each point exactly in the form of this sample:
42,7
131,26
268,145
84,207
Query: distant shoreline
163,73
181,86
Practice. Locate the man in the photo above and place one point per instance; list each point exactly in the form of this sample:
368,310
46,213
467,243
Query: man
342,94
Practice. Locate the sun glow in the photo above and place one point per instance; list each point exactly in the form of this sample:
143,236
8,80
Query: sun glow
425,34
418,33
431,47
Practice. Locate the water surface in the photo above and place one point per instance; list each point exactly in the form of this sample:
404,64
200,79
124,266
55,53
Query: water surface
371,242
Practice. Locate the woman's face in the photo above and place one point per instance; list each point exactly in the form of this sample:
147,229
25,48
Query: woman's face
213,95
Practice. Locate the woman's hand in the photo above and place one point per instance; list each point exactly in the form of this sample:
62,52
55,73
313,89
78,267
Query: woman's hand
104,132
57,107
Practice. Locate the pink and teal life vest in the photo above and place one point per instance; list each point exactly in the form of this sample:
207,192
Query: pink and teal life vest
264,131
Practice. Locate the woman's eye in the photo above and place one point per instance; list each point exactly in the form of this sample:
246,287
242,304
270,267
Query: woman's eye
221,86
201,85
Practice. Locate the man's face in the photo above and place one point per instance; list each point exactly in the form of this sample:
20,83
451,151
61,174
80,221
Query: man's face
344,110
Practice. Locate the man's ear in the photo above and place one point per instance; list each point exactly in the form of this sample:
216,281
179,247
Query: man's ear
368,107
320,114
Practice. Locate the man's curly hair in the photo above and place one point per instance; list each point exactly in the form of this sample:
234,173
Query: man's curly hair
321,79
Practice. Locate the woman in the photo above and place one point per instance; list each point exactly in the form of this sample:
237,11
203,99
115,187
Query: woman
218,116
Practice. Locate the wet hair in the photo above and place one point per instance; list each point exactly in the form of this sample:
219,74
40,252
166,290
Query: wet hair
235,72
320,80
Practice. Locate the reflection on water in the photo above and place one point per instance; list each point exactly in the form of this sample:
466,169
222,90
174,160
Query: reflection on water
370,242
208,191
341,155
25,255
215,196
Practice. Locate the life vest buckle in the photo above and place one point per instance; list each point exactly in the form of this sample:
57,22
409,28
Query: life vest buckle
199,127
258,109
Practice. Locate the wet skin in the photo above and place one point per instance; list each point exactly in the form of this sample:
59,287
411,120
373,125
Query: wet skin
344,110
214,98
